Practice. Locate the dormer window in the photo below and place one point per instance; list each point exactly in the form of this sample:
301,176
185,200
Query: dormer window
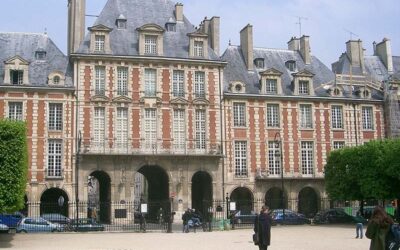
151,40
99,43
304,88
56,80
271,86
121,22
17,77
198,48
271,82
237,87
171,27
366,93
150,45
291,65
40,55
259,62
303,83
336,91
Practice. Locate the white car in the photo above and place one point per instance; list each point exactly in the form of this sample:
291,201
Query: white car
36,225
4,229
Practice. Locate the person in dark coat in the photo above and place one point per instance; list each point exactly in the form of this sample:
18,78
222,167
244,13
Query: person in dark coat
262,227
185,219
378,227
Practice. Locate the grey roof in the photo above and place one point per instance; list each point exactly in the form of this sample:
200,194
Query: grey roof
396,66
25,45
236,69
124,42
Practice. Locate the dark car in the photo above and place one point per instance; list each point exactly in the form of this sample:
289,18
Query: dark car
336,215
86,225
290,217
11,220
240,217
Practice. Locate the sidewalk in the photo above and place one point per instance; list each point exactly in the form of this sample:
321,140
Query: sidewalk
283,238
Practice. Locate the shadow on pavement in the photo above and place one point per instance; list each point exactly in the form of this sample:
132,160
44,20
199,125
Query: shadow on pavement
6,239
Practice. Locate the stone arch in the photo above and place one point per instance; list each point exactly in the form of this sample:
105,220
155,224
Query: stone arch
273,198
309,201
99,196
244,199
54,200
202,191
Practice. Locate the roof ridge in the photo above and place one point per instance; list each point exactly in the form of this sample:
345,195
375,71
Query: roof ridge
25,33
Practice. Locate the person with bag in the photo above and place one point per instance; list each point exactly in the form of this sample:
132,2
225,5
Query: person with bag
378,227
262,229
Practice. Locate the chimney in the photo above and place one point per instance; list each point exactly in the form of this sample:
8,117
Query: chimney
374,47
355,52
214,32
246,44
384,51
305,49
76,24
206,26
179,12
294,44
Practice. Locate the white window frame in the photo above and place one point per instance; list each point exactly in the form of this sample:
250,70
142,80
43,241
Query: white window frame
198,48
367,117
339,144
121,128
337,116
99,127
179,129
150,128
306,116
240,148
99,43
150,44
100,80
307,158
54,158
200,127
122,81
150,82
55,117
15,111
199,84
271,86
273,118
178,83
304,87
239,114
274,163
19,76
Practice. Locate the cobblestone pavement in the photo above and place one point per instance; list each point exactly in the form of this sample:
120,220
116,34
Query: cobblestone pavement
283,238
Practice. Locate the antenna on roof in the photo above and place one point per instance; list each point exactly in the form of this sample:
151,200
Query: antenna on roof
300,18
350,33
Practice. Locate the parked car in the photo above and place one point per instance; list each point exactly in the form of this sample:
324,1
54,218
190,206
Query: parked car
290,218
11,220
336,215
86,225
36,225
240,217
4,229
60,219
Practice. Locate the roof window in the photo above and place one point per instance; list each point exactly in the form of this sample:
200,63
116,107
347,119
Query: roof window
291,65
259,62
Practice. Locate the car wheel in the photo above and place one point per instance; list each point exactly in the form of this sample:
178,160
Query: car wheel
23,231
54,231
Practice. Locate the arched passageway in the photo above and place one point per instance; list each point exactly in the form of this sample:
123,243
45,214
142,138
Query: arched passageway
99,196
244,200
274,199
54,200
202,192
308,202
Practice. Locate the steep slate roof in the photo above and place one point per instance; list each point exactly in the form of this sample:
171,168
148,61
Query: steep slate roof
236,69
139,12
25,45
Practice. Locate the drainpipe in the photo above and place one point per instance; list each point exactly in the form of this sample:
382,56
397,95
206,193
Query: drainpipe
221,132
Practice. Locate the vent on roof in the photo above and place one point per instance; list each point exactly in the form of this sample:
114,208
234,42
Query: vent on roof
40,55
291,65
171,25
121,22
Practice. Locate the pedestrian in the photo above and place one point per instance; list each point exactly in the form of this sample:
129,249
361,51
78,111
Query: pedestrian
262,227
359,225
185,220
378,227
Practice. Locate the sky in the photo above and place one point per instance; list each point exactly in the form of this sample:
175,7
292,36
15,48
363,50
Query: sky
329,23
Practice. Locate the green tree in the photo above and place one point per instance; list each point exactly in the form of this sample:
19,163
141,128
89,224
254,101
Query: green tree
13,165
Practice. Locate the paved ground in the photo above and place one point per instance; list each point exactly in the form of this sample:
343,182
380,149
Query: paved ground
283,238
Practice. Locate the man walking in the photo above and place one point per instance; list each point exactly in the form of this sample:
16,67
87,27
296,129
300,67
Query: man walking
262,227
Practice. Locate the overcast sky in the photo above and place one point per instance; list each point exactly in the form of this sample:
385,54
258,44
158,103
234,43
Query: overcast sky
328,23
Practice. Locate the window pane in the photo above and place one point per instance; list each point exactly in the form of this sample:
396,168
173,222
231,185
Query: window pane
367,118
99,43
273,115
179,129
100,80
240,158
15,111
304,88
337,117
198,48
200,124
122,81
150,128
178,84
99,127
274,161
239,117
150,82
122,128
150,45
305,116
307,158
271,86
55,116
54,160
199,88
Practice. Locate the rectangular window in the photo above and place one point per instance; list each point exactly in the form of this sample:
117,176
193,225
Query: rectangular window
15,111
100,80
121,128
304,88
178,89
198,48
99,43
150,45
272,115
199,82
200,124
337,117
179,129
367,118
239,115
338,144
17,77
55,116
150,128
54,158
122,81
306,116
307,157
150,82
271,86
240,158
99,127
274,159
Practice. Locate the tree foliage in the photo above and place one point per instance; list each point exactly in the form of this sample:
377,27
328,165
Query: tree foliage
369,171
13,165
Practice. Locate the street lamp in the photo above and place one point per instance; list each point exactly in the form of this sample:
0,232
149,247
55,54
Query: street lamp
278,155
78,149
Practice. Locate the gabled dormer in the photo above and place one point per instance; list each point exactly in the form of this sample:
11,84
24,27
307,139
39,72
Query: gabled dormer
303,83
198,44
151,40
271,82
100,39
16,70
